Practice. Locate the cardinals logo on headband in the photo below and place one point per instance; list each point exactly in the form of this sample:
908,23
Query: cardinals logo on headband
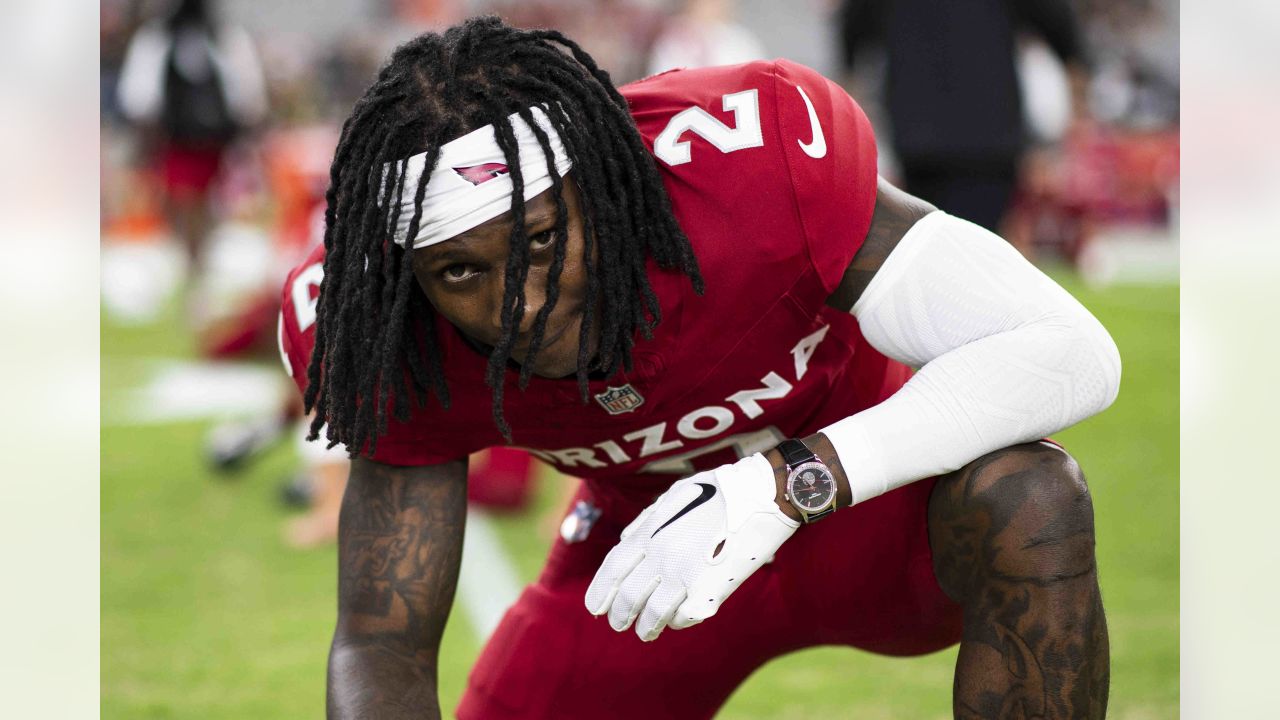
476,174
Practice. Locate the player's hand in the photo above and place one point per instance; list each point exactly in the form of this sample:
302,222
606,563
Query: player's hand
668,569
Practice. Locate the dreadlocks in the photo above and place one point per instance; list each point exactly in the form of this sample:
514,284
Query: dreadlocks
375,344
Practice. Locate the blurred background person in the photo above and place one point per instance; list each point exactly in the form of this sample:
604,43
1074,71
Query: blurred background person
955,111
191,85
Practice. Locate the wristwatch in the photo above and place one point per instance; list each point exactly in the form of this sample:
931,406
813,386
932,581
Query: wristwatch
810,488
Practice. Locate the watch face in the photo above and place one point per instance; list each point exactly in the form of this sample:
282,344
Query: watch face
811,486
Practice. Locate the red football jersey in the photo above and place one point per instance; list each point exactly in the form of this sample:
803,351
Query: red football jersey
771,170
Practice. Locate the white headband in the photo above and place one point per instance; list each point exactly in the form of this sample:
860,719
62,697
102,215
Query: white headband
471,183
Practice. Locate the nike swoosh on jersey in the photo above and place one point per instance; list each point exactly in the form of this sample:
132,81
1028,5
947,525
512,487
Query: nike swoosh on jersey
817,147
708,492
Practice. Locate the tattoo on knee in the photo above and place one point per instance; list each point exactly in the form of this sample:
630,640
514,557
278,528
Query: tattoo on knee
1012,535
1021,514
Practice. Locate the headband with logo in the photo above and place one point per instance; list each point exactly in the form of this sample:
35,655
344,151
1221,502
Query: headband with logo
471,183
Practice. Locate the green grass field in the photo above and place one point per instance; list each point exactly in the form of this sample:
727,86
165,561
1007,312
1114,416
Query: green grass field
206,615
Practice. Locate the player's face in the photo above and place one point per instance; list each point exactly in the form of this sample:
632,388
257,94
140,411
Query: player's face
464,279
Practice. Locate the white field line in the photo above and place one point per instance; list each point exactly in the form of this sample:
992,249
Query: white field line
487,583
178,390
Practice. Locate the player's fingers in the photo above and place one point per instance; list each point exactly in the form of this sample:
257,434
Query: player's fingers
632,596
708,591
662,604
694,609
620,561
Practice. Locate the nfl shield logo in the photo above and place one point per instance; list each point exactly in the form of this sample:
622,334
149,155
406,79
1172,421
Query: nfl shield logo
618,400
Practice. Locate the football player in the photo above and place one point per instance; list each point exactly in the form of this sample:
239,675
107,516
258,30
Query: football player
696,294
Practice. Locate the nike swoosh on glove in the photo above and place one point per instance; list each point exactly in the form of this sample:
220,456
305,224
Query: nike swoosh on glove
665,569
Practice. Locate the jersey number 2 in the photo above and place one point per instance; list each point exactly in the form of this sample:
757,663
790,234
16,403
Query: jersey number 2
304,305
745,107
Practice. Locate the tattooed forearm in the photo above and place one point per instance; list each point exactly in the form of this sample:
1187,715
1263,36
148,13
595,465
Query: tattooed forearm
1013,543
399,547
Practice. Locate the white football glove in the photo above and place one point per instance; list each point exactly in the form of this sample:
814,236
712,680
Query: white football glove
665,569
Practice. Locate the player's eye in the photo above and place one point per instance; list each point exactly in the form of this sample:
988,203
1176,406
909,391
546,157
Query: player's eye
542,240
457,272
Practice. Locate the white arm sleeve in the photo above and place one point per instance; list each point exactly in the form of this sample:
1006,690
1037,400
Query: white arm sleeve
1005,355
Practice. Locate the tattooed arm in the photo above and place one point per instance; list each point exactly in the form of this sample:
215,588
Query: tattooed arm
399,547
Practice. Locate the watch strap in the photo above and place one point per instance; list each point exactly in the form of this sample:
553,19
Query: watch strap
795,453
814,517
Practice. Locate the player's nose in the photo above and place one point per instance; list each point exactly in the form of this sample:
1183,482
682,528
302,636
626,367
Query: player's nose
534,297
